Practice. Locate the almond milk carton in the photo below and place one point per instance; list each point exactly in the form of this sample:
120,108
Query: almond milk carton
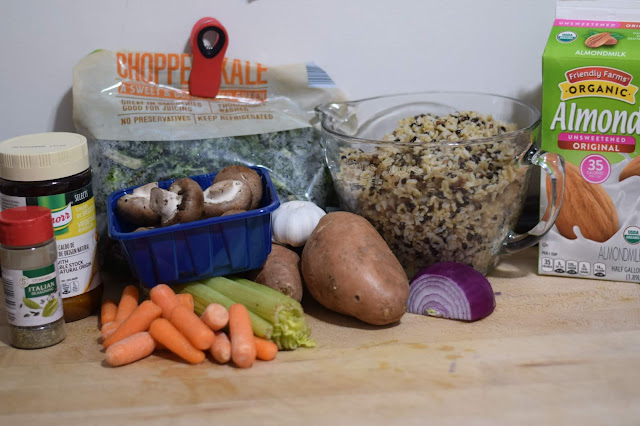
591,116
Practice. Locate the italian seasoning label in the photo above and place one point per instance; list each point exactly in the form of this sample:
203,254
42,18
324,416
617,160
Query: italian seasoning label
32,296
74,223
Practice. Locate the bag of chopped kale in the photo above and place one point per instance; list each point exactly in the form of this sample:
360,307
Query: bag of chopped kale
143,125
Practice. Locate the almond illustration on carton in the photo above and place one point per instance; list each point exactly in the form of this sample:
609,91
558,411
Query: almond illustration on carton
587,206
631,169
600,39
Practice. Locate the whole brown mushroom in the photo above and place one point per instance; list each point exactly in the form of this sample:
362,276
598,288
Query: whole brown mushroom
144,228
246,175
224,196
182,203
234,211
135,208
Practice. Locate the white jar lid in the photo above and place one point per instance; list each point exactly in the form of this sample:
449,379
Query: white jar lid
43,156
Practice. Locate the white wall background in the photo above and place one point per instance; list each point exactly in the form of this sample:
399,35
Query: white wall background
369,47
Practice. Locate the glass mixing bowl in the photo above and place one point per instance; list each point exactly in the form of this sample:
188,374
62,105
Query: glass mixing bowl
449,200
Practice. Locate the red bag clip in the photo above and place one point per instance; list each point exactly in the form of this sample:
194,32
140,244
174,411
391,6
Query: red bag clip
206,69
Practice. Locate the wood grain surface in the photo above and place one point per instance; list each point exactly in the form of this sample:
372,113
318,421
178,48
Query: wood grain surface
556,351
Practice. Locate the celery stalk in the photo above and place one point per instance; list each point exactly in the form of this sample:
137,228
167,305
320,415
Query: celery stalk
265,302
203,296
276,295
287,316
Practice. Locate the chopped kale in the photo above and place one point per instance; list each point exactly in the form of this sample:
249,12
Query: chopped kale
294,158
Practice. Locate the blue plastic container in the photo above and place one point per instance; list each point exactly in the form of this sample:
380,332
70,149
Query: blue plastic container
196,250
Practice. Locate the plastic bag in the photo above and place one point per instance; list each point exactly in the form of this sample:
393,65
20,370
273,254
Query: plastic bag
142,124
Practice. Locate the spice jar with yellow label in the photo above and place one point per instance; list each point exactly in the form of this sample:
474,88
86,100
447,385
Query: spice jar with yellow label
52,170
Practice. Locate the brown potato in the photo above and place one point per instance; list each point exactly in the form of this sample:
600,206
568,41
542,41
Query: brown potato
348,268
281,272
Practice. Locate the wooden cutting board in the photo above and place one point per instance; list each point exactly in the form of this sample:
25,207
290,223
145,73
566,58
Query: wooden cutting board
556,351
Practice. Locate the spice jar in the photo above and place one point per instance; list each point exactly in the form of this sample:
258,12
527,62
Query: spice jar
52,170
28,255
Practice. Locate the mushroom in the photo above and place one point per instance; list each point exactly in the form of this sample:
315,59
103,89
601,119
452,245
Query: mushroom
234,211
135,208
224,196
246,175
182,203
144,228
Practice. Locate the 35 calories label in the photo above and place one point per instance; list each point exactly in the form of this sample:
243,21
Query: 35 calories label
32,297
595,168
74,223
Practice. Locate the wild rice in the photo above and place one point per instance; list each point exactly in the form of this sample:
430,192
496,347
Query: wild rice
432,201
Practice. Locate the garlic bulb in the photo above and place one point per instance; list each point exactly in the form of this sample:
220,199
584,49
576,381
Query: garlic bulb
294,221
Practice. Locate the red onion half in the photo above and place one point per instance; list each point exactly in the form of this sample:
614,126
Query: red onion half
451,290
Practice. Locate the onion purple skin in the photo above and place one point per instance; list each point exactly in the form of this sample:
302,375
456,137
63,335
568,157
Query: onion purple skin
451,290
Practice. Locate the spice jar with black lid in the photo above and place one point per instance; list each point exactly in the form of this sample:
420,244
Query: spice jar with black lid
52,170
28,255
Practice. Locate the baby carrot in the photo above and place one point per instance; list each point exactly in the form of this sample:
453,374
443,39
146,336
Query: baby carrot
164,332
215,316
139,320
221,348
130,349
108,311
186,299
188,323
128,302
108,329
163,296
266,350
243,347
